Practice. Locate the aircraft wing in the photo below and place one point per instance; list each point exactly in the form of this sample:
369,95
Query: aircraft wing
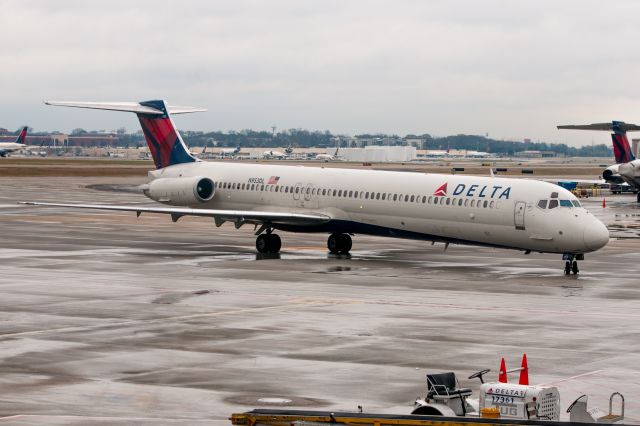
220,216
577,181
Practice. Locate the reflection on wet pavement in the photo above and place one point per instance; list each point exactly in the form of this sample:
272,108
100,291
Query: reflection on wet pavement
106,315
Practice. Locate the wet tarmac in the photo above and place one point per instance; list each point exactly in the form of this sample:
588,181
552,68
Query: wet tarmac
109,319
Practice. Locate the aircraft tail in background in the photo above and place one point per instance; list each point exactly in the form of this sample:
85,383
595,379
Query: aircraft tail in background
621,148
23,135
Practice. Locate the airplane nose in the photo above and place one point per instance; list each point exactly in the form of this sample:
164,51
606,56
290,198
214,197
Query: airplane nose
596,235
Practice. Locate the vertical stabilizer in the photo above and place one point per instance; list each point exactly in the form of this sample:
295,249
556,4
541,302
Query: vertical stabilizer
23,135
164,141
621,148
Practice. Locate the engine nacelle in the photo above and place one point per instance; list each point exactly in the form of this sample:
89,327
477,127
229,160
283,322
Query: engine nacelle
182,191
611,174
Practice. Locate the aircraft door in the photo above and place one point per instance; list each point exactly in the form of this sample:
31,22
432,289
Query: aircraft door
310,197
297,192
518,215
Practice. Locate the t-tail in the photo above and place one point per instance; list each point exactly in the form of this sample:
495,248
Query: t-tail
165,143
23,135
621,148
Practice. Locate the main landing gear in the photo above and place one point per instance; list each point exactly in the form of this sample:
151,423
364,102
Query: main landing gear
571,263
638,197
339,243
268,243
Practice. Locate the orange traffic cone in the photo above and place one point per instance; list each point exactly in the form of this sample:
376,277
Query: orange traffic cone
604,202
524,371
502,374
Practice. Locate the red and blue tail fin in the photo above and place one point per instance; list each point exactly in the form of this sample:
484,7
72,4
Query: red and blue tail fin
23,135
621,148
164,141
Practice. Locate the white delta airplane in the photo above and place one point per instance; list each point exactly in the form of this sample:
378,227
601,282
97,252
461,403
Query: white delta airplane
328,157
526,215
8,147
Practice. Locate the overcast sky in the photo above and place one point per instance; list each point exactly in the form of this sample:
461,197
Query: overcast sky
512,69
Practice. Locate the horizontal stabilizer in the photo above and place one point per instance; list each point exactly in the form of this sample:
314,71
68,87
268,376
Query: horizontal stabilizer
610,127
126,106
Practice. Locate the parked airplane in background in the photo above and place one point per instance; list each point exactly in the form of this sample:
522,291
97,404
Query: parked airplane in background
526,215
329,157
278,155
8,147
627,167
230,152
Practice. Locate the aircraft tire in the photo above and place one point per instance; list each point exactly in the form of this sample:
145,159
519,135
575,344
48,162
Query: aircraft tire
345,243
333,243
574,267
262,243
567,268
274,243
339,243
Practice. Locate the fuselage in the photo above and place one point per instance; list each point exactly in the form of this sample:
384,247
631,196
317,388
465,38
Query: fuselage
11,146
630,172
500,212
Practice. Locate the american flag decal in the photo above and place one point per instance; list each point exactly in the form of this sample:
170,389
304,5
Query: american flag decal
273,180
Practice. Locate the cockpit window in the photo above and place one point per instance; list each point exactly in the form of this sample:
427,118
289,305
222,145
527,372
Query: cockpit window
566,203
554,195
542,204
553,204
576,203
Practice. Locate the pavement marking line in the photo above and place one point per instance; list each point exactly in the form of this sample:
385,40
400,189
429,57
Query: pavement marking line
294,302
591,373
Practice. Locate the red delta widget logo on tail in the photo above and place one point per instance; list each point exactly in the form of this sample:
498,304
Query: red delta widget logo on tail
480,191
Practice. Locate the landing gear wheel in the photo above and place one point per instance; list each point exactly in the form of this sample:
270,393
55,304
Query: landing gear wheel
574,267
567,268
638,197
262,243
339,243
268,243
345,243
333,243
275,243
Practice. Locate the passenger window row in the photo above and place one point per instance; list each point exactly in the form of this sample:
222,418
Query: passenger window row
366,195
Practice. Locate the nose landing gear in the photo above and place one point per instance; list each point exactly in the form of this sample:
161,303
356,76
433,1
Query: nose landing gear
571,263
